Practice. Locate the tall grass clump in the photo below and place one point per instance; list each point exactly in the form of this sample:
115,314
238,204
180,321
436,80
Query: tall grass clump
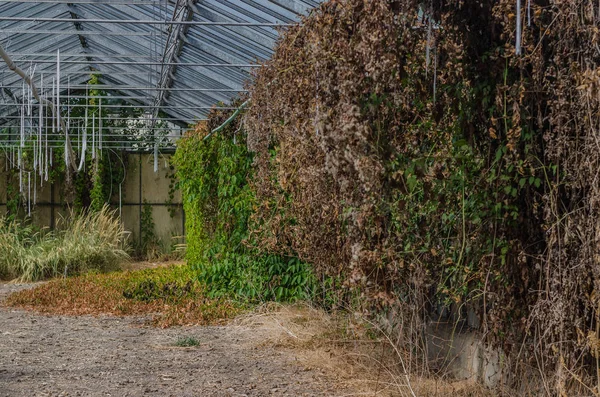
87,241
15,238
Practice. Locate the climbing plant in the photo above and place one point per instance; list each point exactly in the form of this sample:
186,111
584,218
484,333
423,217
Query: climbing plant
213,175
102,170
172,177
149,244
440,158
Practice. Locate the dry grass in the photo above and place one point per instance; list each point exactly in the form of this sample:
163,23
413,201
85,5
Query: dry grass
347,351
141,265
343,348
92,240
165,294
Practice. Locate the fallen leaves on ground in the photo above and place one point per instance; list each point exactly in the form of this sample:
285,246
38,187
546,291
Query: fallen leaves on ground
170,296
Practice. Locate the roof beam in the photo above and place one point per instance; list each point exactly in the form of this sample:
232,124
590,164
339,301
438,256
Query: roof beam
147,22
205,65
77,25
123,2
183,11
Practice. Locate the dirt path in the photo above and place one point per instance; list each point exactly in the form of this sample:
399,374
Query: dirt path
107,356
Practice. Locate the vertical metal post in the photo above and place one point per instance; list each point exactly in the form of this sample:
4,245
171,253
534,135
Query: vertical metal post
140,197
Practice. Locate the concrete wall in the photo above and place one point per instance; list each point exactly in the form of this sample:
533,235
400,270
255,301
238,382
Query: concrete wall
451,342
142,186
461,353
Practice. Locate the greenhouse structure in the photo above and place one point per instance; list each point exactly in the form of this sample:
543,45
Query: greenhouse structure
300,198
86,77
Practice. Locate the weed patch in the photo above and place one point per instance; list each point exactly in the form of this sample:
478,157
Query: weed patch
187,341
350,351
165,294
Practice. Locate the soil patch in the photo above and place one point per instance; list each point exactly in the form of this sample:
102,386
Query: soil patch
43,355
276,350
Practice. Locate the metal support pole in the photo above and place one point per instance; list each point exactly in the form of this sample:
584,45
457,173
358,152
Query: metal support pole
148,21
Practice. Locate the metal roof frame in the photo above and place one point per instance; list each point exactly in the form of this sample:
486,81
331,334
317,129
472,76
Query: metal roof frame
174,58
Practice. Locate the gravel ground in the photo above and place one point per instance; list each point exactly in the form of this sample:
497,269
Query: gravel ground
107,356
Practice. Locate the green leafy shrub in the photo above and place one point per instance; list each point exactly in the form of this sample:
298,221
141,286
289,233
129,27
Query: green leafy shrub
258,277
213,177
148,290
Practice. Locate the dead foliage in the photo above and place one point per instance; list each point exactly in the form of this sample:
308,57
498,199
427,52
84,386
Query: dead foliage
426,155
347,350
166,295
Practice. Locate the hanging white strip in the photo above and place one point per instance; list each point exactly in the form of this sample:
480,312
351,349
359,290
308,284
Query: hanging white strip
518,33
100,127
28,93
30,90
47,155
29,194
155,156
120,202
58,87
40,126
48,160
68,107
428,48
83,149
93,137
66,154
30,103
35,156
87,124
53,113
23,115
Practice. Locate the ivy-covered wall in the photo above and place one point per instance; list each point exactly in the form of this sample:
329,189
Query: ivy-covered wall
435,157
214,177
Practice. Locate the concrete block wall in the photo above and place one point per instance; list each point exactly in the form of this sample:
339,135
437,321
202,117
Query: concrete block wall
141,186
